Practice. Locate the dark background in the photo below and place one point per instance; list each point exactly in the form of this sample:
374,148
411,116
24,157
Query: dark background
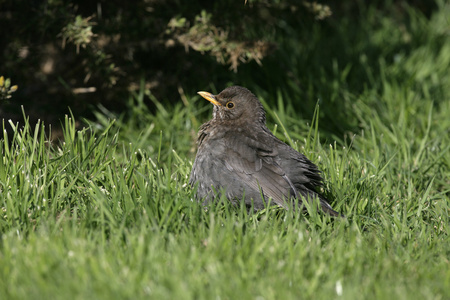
175,47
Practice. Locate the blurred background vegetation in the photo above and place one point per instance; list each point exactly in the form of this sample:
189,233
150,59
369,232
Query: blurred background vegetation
88,54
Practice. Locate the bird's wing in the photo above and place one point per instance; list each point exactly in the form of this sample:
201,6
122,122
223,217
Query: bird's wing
302,172
277,170
305,176
258,165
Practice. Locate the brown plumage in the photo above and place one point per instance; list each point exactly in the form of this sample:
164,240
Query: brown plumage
238,154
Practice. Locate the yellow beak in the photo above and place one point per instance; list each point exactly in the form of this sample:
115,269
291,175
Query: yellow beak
210,97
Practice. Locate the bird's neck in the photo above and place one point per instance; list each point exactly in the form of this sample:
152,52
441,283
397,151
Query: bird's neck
217,128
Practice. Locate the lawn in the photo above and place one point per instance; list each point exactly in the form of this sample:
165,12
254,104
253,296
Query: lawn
107,213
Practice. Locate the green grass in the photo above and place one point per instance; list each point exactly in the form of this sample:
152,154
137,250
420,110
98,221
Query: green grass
108,214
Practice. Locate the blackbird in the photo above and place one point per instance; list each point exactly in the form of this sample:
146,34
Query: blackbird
238,155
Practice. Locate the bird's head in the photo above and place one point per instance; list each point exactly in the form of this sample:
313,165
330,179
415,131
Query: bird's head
236,104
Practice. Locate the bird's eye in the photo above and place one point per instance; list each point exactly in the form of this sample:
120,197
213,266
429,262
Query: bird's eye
230,105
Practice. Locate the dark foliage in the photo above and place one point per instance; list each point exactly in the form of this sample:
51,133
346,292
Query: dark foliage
79,54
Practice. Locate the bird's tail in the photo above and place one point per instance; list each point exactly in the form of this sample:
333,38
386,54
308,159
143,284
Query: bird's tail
328,209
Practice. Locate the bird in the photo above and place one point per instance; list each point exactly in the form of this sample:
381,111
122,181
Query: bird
239,156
